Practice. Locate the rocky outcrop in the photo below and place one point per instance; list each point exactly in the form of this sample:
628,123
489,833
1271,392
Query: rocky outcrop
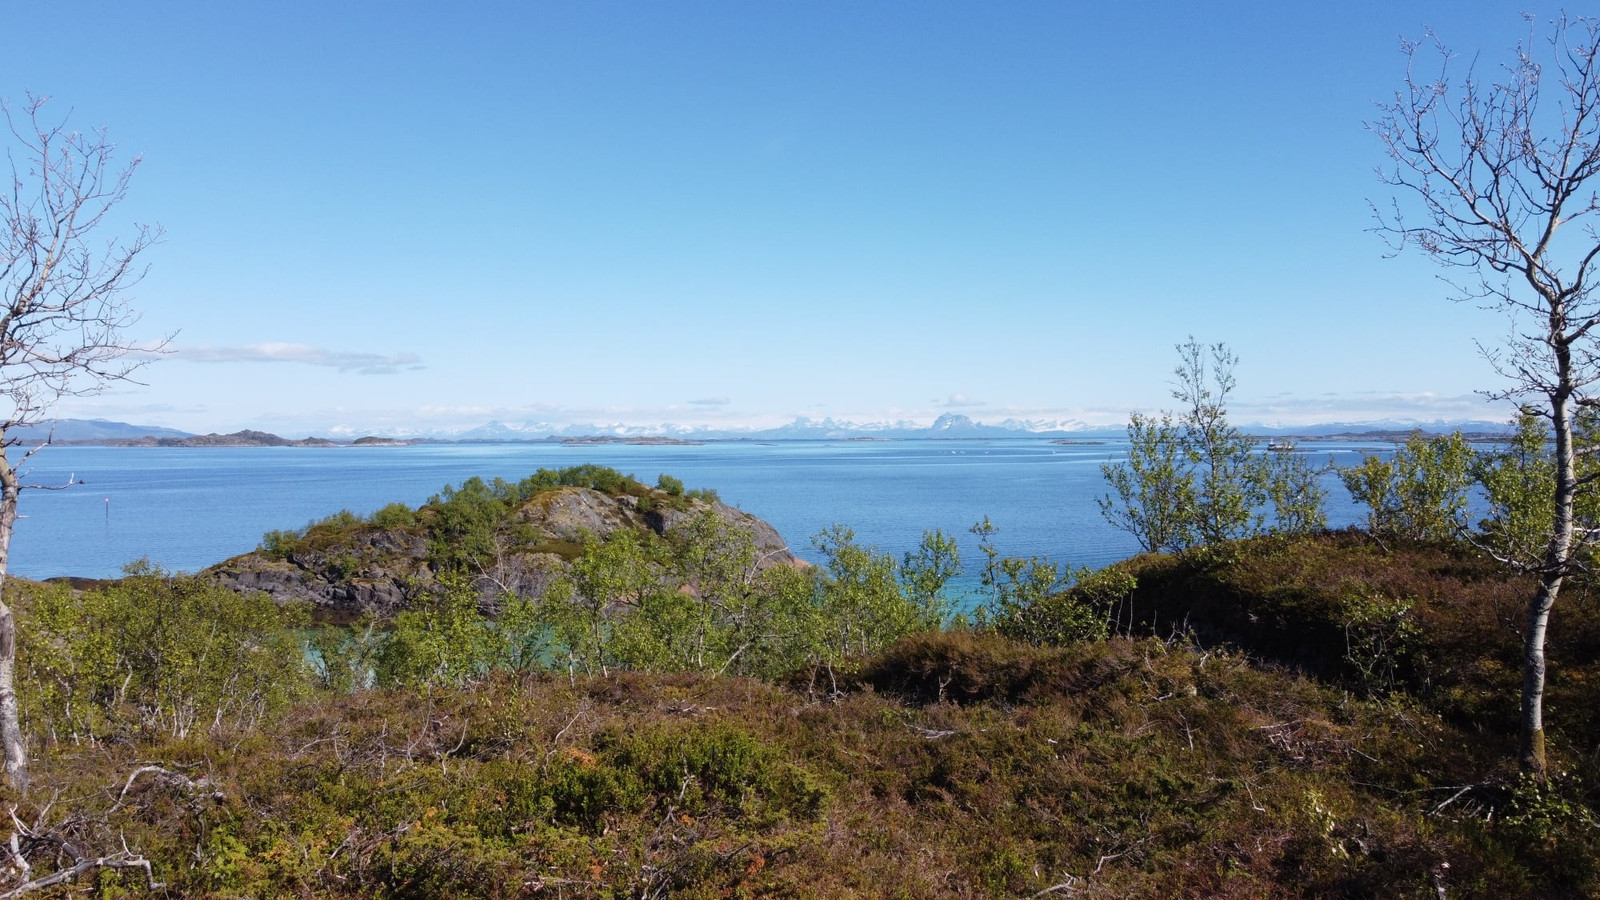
568,514
368,569
771,549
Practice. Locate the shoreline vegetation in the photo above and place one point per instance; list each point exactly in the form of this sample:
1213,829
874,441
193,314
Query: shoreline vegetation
584,685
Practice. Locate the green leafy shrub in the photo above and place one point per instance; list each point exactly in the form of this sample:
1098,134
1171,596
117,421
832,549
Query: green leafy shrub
604,479
699,601
345,658
1544,812
1518,480
859,606
582,610
1421,493
395,515
925,573
1033,600
317,534
1082,611
173,654
462,522
1382,641
1193,479
466,524
721,768
337,523
444,639
279,543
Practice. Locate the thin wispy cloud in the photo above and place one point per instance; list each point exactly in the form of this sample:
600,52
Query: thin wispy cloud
958,400
1368,406
102,408
711,401
304,354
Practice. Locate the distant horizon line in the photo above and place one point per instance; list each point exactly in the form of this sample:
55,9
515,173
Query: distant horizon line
951,426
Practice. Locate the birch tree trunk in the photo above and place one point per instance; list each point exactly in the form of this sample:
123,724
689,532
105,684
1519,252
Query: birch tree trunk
1557,561
16,751
1494,177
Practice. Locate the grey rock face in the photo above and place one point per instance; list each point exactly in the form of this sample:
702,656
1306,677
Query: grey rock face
568,514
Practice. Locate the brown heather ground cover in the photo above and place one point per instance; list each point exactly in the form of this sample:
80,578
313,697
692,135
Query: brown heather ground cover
1301,735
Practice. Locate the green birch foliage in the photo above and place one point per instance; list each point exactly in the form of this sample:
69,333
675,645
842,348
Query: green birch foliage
721,595
1152,491
859,607
1230,478
1298,498
345,658
1518,482
585,608
728,614
925,573
170,654
462,522
710,607
701,602
442,640
778,641
1037,601
1196,479
1422,493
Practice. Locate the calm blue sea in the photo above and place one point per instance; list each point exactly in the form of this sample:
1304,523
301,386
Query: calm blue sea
186,508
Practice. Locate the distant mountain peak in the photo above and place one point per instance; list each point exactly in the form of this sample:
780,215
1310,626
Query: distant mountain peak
65,431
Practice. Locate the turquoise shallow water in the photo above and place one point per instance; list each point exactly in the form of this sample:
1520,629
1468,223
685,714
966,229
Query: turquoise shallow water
186,508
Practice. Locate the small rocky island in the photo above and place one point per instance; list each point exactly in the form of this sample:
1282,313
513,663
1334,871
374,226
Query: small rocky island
245,438
514,538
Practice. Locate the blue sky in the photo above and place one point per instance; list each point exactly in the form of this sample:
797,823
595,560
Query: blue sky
391,216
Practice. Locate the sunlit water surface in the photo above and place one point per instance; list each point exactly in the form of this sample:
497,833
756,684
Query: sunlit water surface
186,508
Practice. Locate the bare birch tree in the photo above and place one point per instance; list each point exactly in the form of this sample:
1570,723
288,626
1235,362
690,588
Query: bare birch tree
1495,177
63,316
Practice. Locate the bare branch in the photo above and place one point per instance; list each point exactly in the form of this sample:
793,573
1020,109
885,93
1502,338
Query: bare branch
1493,179
64,314
121,860
64,306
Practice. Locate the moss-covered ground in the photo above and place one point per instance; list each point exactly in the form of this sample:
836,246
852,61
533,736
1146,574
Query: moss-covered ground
1324,717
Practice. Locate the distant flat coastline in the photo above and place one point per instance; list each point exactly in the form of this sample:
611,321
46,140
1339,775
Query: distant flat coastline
251,438
1394,436
104,433
637,441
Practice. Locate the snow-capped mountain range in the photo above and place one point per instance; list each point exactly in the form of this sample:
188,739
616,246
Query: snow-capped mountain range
803,428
